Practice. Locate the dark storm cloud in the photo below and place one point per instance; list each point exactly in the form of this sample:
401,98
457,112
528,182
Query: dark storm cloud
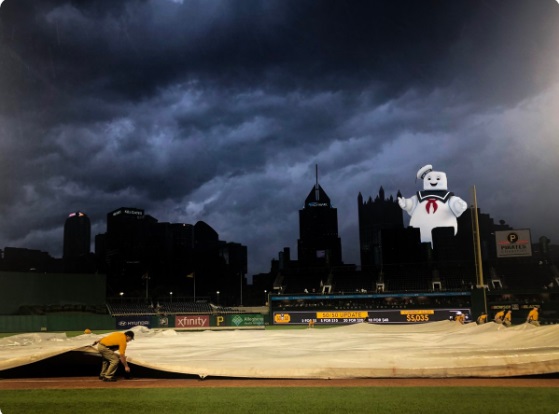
132,48
219,110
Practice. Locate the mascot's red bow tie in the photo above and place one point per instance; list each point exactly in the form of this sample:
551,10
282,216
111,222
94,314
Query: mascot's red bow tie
431,202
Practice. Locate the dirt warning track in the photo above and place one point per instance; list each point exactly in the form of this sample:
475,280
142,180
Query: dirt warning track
94,382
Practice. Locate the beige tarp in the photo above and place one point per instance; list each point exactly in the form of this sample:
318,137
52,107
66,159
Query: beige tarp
436,350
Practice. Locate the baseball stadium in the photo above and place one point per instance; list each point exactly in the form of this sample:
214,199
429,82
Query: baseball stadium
298,343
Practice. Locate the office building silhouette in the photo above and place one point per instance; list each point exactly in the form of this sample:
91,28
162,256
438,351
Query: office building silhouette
145,257
374,216
77,244
318,243
77,235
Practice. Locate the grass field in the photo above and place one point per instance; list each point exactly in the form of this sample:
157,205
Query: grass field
449,400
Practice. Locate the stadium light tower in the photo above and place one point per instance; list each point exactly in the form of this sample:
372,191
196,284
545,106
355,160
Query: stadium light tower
146,277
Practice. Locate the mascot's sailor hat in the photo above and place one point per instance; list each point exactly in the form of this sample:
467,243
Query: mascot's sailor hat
423,171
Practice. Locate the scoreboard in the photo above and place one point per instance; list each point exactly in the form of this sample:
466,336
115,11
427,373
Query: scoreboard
384,316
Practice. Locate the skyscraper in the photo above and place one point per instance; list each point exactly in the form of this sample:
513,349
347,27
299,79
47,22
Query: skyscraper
77,236
318,242
76,250
374,216
129,251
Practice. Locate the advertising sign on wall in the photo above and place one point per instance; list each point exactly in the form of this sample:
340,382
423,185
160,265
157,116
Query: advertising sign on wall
127,322
513,243
245,319
192,321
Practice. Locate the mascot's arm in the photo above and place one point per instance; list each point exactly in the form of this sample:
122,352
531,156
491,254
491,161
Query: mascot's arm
407,204
457,206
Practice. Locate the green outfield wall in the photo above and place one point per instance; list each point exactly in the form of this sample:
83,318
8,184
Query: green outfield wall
55,323
79,322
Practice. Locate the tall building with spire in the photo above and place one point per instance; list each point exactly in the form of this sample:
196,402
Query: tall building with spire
318,244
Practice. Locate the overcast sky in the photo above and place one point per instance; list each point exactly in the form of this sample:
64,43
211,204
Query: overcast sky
219,111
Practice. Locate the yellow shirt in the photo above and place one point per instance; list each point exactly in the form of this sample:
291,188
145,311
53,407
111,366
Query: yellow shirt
533,315
115,339
500,315
508,316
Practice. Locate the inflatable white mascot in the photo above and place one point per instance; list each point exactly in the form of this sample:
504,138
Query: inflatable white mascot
433,207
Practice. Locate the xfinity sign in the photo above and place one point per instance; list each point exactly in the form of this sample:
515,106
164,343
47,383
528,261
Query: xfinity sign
192,321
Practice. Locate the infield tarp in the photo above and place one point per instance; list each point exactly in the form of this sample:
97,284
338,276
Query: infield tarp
431,350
